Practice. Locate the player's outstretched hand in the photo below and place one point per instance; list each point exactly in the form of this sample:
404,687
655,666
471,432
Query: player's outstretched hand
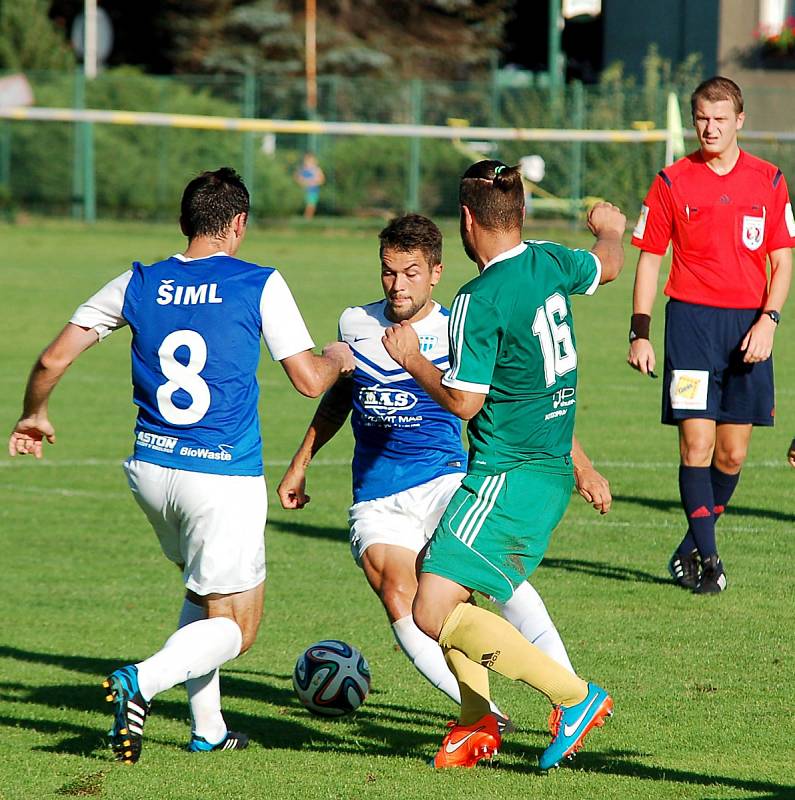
342,355
28,436
606,218
791,454
401,342
641,356
292,490
594,488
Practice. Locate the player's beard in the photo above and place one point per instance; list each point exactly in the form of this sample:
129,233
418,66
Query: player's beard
404,312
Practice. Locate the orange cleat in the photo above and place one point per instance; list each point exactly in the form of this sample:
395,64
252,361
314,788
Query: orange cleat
553,723
465,745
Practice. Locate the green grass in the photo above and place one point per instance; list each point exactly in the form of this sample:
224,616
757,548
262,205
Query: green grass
702,685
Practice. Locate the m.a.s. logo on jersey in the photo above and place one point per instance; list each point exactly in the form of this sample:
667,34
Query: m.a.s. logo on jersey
753,232
385,402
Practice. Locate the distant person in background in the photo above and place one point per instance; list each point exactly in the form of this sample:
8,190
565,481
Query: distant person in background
311,178
791,454
726,212
196,471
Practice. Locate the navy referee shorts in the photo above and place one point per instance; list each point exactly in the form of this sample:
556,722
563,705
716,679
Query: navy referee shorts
704,375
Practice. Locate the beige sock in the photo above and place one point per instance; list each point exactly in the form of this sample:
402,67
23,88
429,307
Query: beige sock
473,681
493,642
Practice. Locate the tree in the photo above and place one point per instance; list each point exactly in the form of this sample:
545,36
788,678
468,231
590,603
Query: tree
29,40
453,39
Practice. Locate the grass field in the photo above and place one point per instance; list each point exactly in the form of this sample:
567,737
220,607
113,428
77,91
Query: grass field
703,685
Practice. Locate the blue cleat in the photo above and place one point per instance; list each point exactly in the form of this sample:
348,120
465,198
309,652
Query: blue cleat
232,741
130,712
574,722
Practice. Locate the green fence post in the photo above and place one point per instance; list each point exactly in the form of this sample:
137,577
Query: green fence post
577,153
5,154
415,104
5,170
78,173
89,174
249,111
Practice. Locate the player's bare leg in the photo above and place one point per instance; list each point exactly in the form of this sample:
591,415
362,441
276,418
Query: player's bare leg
391,573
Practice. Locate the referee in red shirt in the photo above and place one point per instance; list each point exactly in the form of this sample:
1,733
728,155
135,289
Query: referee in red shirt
726,212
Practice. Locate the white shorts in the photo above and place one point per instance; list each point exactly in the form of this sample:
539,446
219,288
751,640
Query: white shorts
406,519
213,526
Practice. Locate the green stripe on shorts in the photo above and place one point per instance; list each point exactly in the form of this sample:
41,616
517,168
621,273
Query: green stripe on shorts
496,528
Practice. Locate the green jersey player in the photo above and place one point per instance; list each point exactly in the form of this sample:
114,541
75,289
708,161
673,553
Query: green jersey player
513,375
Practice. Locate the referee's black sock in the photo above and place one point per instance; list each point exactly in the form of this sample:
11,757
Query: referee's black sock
723,486
698,501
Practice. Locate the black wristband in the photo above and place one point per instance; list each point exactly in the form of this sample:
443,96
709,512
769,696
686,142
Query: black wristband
639,327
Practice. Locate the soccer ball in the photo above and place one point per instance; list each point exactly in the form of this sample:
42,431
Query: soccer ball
331,678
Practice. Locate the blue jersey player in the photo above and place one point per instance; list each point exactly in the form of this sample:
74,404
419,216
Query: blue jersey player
196,320
408,458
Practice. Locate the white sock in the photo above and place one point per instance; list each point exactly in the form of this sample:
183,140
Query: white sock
191,652
204,693
427,657
528,614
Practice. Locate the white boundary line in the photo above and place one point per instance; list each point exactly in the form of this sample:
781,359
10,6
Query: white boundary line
346,462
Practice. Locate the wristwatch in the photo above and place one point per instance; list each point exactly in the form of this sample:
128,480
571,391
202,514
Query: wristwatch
774,315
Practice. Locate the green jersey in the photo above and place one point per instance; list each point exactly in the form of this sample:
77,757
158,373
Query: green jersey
512,339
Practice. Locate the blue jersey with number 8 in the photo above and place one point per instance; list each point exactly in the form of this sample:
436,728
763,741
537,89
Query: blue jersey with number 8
196,328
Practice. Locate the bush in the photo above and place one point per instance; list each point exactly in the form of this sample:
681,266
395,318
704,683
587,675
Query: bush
140,171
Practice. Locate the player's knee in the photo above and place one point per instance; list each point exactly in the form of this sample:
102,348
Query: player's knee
427,620
696,452
397,597
731,460
248,637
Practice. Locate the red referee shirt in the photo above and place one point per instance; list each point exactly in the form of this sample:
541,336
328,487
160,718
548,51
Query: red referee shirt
722,228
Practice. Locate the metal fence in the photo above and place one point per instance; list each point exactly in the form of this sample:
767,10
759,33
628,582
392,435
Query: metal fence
88,169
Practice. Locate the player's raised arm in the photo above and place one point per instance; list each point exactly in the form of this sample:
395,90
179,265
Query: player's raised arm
330,416
34,425
607,223
312,374
402,344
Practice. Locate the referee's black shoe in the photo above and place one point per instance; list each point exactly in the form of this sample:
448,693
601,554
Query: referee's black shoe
685,569
713,578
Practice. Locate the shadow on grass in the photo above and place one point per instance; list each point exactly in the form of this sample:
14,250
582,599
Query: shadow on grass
378,729
628,764
332,533
601,569
732,511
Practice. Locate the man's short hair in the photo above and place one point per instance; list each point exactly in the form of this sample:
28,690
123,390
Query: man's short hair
211,201
715,89
413,232
494,193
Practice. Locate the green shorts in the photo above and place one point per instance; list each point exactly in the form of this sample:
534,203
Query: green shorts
496,528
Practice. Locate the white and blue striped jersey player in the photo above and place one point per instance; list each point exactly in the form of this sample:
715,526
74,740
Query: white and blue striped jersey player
403,438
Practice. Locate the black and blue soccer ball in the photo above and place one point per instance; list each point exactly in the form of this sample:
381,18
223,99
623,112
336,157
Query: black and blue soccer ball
331,678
